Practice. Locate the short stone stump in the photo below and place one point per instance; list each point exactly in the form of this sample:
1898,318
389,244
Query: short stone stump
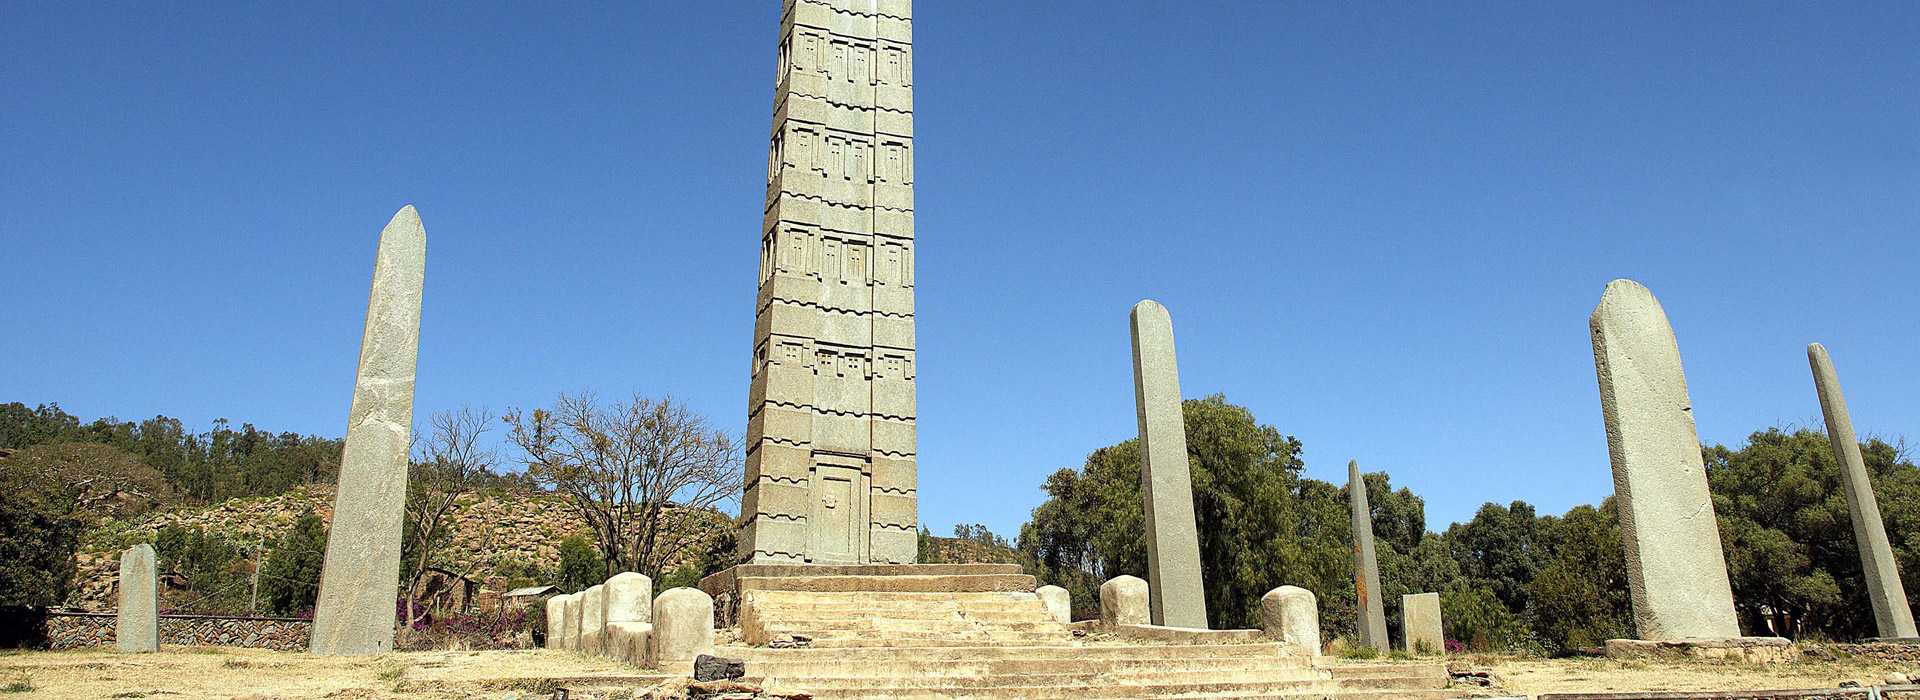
1756,650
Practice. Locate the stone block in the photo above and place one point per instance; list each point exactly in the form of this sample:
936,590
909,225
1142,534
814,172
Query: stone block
894,223
893,332
769,497
682,628
137,626
1173,542
899,511
628,641
1124,601
771,539
787,426
715,668
593,619
1058,601
1292,615
556,622
784,384
1420,628
895,474
890,545
1676,572
572,634
894,438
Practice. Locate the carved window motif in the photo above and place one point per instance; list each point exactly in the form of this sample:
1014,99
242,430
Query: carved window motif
893,173
836,157
887,269
892,74
861,73
838,68
809,48
856,264
906,266
858,170
800,156
793,253
766,258
790,353
759,358
822,362
830,261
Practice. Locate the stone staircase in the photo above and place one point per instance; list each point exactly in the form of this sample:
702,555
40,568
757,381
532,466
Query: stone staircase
987,635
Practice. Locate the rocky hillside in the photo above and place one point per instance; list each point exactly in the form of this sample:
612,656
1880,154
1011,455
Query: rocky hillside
498,537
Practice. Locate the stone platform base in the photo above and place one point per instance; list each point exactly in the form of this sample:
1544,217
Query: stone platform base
1759,650
727,586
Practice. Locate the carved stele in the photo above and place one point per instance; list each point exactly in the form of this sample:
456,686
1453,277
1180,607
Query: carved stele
360,579
1675,569
1420,628
1166,487
1366,568
831,475
1892,617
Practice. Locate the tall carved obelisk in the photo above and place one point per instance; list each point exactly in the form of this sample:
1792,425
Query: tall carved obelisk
360,578
830,466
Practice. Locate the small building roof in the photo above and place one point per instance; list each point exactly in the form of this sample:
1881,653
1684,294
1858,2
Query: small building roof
529,591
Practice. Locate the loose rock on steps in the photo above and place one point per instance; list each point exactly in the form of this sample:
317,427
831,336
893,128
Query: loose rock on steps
1462,674
716,668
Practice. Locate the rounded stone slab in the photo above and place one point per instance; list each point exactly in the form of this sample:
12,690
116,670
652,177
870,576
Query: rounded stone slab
1675,568
354,613
682,628
1123,601
1291,614
629,598
556,621
1058,601
137,624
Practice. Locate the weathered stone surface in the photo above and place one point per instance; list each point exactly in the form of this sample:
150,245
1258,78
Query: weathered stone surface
831,444
81,630
138,626
360,579
707,667
1123,601
1173,544
572,632
1420,627
629,598
1058,601
682,628
628,641
1291,614
1761,650
556,622
1366,568
1891,614
1675,569
593,619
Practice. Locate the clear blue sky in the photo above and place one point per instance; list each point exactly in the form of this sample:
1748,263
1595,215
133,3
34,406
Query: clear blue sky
1380,226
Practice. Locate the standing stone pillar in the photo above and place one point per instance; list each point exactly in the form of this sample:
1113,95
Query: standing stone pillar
1667,527
137,626
556,622
359,582
1291,614
1123,601
1891,614
1173,546
1366,568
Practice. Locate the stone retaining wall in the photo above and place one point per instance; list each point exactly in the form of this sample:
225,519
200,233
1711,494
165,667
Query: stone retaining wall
73,630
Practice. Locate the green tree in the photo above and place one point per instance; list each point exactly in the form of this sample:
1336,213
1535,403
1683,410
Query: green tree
205,571
290,577
40,528
580,565
1500,549
1579,598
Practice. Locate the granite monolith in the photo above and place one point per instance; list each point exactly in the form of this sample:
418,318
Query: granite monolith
359,581
593,619
556,622
1166,487
1291,614
1675,570
1891,614
1420,627
137,626
1366,568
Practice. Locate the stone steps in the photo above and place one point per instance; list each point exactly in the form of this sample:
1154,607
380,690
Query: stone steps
1266,651
1021,691
961,583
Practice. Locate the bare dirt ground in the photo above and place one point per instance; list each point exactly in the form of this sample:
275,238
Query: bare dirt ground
1592,675
255,674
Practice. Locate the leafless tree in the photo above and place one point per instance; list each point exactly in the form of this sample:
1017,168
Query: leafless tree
641,473
448,463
